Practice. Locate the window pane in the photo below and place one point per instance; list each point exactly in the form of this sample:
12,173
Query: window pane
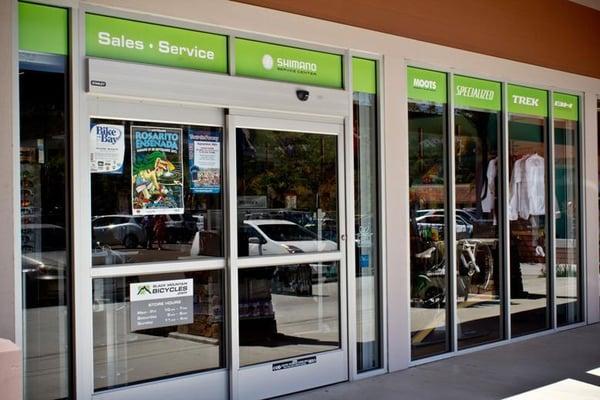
159,197
288,311
366,242
287,192
527,214
125,352
427,197
568,269
477,230
44,225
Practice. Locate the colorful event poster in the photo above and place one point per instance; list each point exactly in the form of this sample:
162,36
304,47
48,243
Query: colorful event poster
107,148
156,169
205,161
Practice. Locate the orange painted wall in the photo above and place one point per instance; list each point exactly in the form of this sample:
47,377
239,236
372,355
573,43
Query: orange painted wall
557,34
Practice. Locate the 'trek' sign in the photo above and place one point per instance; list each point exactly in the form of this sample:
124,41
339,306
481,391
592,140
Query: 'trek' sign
527,101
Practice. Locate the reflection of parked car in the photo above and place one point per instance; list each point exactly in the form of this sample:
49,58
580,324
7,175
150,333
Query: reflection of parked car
114,230
275,236
328,228
180,228
470,215
43,263
463,228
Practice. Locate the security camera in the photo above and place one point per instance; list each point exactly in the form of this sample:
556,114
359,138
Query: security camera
302,95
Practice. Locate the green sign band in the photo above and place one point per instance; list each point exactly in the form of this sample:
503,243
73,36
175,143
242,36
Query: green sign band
477,93
527,101
566,106
43,29
282,63
427,85
122,39
364,75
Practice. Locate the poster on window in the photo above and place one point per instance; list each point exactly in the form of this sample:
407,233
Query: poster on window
205,162
156,169
107,148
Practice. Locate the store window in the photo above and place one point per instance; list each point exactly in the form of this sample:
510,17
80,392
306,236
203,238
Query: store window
528,214
286,192
45,218
427,135
141,336
366,215
477,135
157,192
568,280
288,311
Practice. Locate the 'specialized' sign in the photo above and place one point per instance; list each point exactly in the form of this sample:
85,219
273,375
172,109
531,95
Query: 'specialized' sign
477,93
122,39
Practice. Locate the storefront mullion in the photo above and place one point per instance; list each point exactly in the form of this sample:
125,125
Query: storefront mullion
450,217
551,211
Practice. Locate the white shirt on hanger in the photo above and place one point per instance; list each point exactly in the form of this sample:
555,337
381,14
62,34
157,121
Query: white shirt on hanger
514,204
534,187
489,191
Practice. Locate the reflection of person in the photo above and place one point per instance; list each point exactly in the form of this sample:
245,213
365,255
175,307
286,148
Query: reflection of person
516,276
148,224
160,230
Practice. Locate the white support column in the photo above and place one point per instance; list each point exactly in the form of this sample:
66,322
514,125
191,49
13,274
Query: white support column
396,223
591,217
10,280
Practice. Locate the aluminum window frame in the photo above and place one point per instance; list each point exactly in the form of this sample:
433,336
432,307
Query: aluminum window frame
503,202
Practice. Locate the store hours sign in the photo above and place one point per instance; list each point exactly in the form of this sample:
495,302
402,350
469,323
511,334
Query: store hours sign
161,303
121,39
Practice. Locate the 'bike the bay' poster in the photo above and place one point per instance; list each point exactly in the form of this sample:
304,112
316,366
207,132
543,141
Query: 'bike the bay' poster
205,161
156,170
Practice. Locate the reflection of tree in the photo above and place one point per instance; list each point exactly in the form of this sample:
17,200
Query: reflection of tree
426,143
280,164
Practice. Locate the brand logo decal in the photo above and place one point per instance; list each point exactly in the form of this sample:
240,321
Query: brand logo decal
424,84
563,104
481,94
108,134
289,65
525,100
143,290
98,83
267,62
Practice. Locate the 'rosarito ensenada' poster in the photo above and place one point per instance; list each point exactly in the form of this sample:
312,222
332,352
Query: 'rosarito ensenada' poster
156,170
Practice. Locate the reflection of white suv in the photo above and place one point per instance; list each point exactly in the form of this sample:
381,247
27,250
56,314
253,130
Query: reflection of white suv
277,236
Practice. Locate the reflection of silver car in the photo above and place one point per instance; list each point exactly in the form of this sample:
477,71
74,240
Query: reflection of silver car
114,230
43,263
277,236
463,228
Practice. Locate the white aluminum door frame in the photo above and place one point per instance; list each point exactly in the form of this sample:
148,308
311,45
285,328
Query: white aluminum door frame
331,366
202,385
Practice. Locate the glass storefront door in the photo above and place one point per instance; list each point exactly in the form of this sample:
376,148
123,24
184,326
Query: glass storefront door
287,255
158,278
217,252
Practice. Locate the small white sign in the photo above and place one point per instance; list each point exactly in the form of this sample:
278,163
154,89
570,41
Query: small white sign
161,304
107,148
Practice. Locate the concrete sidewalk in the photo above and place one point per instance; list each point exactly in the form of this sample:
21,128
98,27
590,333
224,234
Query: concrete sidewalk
497,373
